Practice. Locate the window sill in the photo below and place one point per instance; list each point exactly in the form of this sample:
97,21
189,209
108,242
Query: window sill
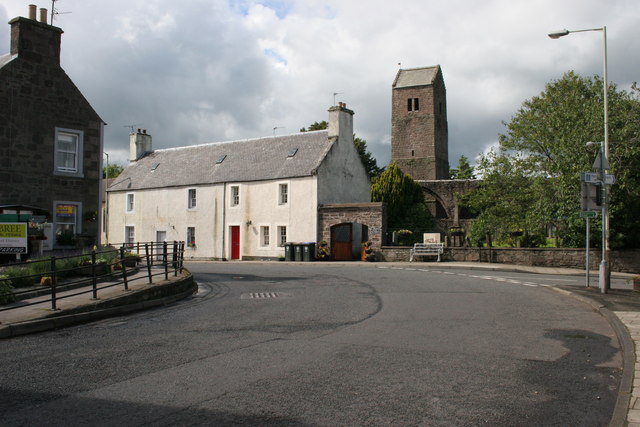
68,174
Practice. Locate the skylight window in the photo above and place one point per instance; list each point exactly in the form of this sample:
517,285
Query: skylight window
155,166
292,152
221,159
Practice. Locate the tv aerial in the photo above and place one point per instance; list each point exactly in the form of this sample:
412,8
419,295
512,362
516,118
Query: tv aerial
55,11
132,127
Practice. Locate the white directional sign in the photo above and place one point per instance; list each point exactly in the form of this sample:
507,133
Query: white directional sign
591,177
609,179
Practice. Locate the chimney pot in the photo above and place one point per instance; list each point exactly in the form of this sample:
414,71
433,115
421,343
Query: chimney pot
32,11
139,130
43,15
144,131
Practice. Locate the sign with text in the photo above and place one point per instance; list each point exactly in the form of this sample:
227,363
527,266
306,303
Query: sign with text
13,237
431,237
590,177
591,197
65,210
588,214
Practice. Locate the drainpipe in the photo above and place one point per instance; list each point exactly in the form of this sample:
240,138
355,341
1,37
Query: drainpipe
224,210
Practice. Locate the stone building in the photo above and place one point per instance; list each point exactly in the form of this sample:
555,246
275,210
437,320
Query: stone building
420,142
419,129
246,199
50,136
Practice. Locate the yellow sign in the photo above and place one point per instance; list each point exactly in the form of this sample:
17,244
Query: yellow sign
13,237
65,210
13,230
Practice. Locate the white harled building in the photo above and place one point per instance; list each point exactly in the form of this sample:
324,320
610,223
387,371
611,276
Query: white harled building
240,199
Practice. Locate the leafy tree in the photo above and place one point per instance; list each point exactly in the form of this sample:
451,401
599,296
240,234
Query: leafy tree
369,162
112,171
404,199
532,180
316,126
463,171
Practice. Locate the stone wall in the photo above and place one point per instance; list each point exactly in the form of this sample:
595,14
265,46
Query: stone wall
621,261
443,193
373,215
41,97
420,137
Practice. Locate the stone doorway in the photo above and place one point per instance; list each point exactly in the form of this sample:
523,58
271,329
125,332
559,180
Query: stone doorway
347,239
345,226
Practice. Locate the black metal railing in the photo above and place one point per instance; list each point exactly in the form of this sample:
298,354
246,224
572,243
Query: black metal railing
111,266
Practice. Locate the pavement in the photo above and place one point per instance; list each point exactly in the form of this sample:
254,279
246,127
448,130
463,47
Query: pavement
76,305
620,306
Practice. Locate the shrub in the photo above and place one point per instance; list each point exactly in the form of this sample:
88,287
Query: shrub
18,277
6,296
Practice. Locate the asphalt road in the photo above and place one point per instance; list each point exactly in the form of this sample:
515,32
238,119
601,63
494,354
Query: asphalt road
325,344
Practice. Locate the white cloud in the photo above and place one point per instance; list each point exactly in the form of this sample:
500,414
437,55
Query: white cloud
202,71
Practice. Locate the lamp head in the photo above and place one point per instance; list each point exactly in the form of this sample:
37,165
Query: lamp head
558,34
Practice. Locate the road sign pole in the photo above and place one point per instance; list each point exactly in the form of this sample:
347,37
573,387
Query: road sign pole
587,253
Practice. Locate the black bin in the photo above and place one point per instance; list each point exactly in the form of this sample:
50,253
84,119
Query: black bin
288,252
309,251
297,249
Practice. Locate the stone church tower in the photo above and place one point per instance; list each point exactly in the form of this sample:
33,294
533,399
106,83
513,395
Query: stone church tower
419,130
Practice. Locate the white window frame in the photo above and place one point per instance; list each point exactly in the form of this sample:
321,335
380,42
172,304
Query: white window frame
192,198
77,168
265,236
77,224
191,237
282,235
283,196
130,203
127,230
234,198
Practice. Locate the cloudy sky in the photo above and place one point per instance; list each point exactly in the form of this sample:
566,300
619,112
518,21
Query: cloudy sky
197,71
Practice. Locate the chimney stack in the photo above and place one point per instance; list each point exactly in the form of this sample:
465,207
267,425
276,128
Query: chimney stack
35,41
340,121
139,144
43,15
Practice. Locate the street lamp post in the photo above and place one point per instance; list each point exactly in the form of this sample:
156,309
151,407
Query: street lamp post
105,220
605,275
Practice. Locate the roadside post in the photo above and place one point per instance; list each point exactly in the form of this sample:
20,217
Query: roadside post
590,204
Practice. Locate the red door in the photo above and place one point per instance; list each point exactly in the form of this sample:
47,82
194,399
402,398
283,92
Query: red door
235,242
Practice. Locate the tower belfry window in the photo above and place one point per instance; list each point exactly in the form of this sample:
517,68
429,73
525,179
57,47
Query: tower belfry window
413,104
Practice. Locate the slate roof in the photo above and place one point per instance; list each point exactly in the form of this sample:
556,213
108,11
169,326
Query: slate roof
5,59
247,160
416,77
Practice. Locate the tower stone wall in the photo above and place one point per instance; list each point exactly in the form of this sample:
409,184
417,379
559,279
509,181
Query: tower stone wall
419,129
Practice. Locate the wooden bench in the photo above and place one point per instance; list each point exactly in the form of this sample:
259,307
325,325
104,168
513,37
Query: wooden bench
426,249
